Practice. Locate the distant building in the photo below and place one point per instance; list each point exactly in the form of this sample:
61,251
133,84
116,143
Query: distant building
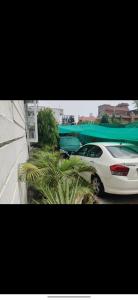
120,110
58,113
68,120
134,115
83,119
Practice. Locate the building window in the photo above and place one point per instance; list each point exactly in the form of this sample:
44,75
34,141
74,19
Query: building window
31,133
31,114
31,118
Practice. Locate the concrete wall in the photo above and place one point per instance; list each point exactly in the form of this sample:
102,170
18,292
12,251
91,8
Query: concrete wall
13,151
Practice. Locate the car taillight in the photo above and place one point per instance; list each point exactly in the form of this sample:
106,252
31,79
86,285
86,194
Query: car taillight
119,170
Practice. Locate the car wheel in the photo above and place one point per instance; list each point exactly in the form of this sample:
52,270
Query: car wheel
97,186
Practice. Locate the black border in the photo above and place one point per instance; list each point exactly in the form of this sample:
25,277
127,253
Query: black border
68,249
43,97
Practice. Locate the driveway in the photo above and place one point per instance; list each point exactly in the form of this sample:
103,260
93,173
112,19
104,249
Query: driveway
117,199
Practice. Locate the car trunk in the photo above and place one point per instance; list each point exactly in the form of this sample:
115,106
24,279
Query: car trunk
132,164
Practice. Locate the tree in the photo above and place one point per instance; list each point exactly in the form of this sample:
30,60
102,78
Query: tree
120,119
113,118
105,119
47,128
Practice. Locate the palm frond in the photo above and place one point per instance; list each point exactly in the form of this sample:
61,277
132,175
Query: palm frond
75,165
29,173
66,192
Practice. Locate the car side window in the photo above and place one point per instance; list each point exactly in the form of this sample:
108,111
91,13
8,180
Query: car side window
94,151
82,151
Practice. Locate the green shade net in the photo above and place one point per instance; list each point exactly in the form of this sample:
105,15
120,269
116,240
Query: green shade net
113,125
91,132
135,125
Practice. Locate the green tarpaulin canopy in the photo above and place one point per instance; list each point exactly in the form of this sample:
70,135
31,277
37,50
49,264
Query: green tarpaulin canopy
89,132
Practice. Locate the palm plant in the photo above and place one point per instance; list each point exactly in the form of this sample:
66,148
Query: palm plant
50,167
67,192
53,177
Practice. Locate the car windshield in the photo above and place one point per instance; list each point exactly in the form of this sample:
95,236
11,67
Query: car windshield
123,151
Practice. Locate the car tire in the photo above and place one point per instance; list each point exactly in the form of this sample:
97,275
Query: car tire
97,185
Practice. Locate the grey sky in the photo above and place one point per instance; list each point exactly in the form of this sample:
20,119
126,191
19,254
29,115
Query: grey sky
81,107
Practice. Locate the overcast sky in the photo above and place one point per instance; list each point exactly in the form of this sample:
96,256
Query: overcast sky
81,107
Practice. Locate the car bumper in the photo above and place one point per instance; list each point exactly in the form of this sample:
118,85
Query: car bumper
121,186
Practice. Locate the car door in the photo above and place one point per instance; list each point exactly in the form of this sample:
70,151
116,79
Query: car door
88,158
82,154
92,157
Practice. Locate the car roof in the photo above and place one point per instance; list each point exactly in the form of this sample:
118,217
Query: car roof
108,143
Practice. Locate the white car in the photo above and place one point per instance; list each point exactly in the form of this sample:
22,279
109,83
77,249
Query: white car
116,166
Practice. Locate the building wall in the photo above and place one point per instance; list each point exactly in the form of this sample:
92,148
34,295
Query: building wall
58,114
86,119
13,151
120,109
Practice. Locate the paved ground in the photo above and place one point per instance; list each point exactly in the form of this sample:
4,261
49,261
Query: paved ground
117,199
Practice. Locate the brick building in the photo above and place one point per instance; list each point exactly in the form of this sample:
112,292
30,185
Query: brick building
83,119
120,110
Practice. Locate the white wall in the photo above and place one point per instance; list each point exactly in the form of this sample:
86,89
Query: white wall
13,151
